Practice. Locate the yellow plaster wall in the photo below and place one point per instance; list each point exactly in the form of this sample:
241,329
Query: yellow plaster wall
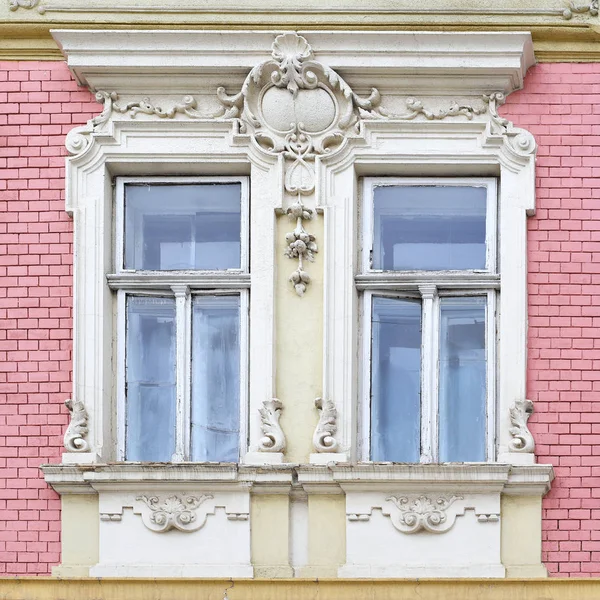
269,522
299,323
41,588
326,535
79,535
521,541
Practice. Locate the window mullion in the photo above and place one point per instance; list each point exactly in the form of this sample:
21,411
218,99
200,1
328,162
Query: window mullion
183,318
429,374
490,346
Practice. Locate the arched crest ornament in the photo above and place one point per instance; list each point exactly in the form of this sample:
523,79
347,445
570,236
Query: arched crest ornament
295,105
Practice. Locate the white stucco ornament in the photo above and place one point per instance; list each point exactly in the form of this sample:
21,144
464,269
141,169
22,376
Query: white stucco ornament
421,513
162,514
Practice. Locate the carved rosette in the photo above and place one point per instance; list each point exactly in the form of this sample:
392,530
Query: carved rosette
76,433
323,438
173,512
522,440
273,439
421,513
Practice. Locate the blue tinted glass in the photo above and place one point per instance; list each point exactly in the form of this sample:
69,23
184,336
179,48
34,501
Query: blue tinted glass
192,226
150,378
396,380
462,389
431,228
216,378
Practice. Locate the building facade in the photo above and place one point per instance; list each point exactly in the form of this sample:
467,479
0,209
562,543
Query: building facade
297,294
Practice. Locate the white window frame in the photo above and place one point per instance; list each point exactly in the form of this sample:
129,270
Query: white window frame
428,287
177,284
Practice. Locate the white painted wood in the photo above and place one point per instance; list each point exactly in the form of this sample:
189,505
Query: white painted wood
120,342
182,319
429,363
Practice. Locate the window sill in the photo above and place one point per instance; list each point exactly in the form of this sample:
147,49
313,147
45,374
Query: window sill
313,479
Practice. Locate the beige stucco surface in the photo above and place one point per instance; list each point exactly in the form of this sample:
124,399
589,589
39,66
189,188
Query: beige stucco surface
521,542
79,535
269,516
299,327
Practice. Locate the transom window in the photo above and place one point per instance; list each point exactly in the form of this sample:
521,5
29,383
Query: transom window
430,282
182,278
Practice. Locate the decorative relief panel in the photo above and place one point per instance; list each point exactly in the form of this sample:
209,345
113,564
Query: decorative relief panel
162,514
423,513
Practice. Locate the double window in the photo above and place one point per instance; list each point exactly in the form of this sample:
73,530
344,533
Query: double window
182,276
429,279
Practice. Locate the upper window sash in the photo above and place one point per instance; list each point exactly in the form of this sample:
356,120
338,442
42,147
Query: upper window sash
121,224
371,254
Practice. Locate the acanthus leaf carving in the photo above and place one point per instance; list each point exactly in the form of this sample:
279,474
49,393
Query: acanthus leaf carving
324,436
520,140
187,106
77,430
79,138
421,513
522,440
273,439
301,245
173,512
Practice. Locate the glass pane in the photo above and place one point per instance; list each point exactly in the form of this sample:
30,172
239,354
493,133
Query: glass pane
150,379
170,227
430,228
462,393
396,380
216,378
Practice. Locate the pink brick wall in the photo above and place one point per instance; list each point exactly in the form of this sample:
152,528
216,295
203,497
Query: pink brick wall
560,106
39,103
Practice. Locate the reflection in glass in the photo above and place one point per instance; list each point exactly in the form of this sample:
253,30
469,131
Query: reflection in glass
462,389
396,380
150,379
429,227
191,226
216,378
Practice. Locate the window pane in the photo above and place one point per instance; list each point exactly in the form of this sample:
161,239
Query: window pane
150,379
429,227
170,227
396,380
216,378
462,390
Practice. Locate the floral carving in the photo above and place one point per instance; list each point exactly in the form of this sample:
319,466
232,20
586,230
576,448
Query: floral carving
416,108
75,436
16,4
421,513
273,439
323,438
301,245
307,133
522,440
187,107
173,512
572,9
